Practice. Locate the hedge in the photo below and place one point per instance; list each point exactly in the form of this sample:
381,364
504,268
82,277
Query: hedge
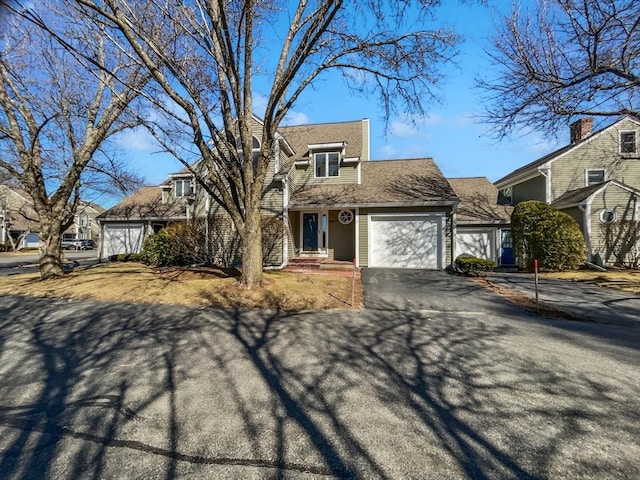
473,266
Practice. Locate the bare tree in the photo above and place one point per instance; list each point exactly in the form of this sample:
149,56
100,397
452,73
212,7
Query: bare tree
566,58
59,104
205,78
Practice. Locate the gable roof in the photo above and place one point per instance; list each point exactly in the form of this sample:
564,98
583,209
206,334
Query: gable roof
146,204
533,166
300,136
480,201
573,198
415,182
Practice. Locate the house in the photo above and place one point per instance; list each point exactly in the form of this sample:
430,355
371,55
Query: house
483,220
20,224
595,179
330,200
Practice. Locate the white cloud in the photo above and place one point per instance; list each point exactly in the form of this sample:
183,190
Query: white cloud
387,151
137,139
403,129
295,118
259,104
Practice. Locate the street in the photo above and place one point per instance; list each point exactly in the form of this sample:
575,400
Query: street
115,390
12,263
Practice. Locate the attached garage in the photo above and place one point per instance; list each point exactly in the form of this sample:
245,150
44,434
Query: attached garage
120,238
406,240
478,243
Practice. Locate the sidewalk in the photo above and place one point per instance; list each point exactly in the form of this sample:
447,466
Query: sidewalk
598,304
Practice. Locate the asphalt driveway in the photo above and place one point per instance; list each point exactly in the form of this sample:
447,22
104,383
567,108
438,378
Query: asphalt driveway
418,289
112,391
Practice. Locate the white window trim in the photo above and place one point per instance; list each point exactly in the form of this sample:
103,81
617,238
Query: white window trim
606,210
182,180
328,152
586,175
635,133
322,252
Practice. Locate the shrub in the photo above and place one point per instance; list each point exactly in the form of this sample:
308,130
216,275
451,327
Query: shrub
540,232
473,266
158,250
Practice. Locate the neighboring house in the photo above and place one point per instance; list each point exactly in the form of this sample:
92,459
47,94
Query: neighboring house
20,224
330,199
595,179
483,220
85,226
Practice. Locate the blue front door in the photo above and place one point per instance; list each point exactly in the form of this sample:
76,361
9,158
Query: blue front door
506,248
310,232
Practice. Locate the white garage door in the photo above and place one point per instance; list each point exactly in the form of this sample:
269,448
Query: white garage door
405,241
122,238
478,244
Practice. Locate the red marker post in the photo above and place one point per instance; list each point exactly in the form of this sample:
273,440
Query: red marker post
535,276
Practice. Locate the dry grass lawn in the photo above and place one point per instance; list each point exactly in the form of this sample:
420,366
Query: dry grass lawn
210,287
625,280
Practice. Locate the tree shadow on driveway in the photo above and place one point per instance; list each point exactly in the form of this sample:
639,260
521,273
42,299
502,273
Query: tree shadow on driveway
102,390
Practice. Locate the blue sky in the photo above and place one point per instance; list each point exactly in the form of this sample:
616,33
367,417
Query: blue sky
451,133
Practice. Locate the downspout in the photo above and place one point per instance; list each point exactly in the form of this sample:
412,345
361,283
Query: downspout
207,212
586,227
285,223
454,231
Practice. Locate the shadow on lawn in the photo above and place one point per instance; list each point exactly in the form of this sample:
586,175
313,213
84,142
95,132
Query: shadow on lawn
338,394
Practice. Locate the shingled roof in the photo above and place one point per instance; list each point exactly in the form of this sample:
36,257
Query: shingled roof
146,204
384,183
579,195
300,136
480,201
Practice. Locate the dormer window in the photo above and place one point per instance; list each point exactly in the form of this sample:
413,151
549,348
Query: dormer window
327,164
628,142
182,188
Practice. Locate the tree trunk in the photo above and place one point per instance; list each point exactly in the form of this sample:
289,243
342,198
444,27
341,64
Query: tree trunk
252,249
50,250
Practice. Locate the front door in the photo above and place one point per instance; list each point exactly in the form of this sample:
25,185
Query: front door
506,247
310,232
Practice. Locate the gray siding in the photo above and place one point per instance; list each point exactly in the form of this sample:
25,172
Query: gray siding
305,175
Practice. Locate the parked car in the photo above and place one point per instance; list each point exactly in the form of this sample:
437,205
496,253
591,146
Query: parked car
78,244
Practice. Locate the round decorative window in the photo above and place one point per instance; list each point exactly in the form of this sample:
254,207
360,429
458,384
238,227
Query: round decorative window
607,216
345,217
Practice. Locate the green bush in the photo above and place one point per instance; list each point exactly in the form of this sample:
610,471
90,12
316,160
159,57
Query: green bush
540,232
473,266
159,250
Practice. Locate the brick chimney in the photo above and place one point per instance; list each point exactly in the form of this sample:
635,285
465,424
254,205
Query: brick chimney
581,129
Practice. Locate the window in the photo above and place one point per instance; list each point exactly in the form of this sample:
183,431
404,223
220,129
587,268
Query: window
255,149
182,188
607,216
327,164
628,142
595,176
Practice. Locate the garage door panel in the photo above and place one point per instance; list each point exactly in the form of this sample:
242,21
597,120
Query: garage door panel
126,238
405,241
477,244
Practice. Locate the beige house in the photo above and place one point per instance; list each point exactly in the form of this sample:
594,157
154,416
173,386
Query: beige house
595,179
331,202
20,225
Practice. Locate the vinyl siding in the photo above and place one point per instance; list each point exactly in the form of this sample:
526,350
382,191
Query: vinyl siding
603,151
342,238
533,189
305,175
577,215
613,198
